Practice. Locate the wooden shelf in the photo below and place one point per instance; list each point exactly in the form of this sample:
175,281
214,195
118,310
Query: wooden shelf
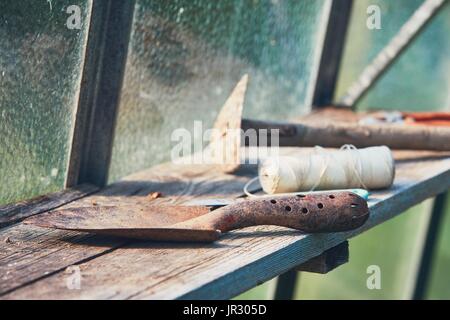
34,261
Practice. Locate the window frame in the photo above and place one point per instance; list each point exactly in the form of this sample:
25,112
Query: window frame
104,69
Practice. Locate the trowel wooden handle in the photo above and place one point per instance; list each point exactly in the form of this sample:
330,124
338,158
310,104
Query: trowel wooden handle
335,134
310,213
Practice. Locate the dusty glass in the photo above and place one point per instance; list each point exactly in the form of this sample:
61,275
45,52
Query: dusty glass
41,57
186,56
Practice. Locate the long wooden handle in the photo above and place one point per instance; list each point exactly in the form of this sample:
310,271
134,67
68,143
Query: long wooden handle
427,116
311,213
336,134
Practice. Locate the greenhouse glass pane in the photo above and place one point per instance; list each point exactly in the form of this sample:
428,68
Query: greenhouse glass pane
41,59
186,56
420,79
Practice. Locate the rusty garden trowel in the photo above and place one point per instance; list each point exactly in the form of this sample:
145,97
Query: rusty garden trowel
309,213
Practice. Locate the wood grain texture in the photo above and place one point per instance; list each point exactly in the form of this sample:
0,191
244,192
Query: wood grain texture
28,253
21,210
239,261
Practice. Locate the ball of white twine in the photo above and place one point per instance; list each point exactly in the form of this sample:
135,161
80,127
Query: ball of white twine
369,168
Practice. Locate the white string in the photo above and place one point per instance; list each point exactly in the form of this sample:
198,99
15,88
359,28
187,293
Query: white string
318,149
357,173
247,185
349,167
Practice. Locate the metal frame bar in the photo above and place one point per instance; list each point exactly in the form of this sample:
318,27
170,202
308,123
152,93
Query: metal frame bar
429,249
101,84
285,285
323,93
332,51
391,52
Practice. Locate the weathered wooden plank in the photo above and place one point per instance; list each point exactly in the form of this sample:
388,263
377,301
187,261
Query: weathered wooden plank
240,260
28,253
18,211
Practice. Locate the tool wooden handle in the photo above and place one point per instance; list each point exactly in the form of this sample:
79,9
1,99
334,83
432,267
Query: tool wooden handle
336,134
310,213
427,116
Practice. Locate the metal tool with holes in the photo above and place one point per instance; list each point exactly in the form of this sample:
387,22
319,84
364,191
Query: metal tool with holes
310,213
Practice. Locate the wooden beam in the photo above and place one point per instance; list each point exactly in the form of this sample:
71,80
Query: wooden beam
103,72
327,261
